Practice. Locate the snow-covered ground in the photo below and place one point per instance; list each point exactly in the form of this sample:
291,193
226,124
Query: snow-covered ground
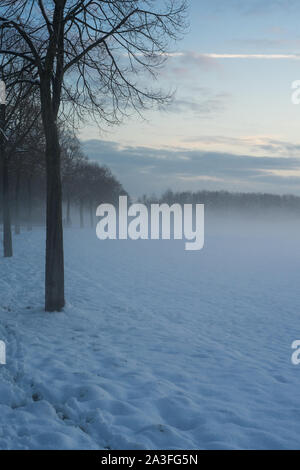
157,347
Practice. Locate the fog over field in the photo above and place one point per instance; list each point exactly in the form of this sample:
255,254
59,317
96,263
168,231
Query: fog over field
157,347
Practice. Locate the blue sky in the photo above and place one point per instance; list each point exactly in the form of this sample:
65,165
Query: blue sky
232,124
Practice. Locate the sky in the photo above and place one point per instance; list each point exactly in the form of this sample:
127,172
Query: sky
232,124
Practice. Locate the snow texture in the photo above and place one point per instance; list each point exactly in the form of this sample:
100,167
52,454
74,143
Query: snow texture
157,348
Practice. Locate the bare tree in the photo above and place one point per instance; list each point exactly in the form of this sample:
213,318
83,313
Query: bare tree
71,157
7,239
33,162
21,129
89,58
17,118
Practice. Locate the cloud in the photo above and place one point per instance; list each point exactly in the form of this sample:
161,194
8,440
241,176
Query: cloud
253,56
257,144
146,170
208,104
200,59
182,64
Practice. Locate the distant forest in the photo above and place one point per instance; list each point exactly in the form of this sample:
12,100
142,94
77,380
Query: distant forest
230,202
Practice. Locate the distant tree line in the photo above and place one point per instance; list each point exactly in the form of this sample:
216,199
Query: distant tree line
228,202
85,184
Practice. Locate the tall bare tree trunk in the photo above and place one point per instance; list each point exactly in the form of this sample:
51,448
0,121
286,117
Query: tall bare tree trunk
91,214
81,214
17,203
54,279
69,222
29,204
7,240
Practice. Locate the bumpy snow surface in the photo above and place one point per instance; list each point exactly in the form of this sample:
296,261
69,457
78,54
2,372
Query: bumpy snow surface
157,347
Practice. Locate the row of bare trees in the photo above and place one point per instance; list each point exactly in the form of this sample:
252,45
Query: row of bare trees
84,58
85,184
226,201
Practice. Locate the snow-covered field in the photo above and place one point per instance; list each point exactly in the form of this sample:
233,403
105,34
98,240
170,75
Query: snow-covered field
157,347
